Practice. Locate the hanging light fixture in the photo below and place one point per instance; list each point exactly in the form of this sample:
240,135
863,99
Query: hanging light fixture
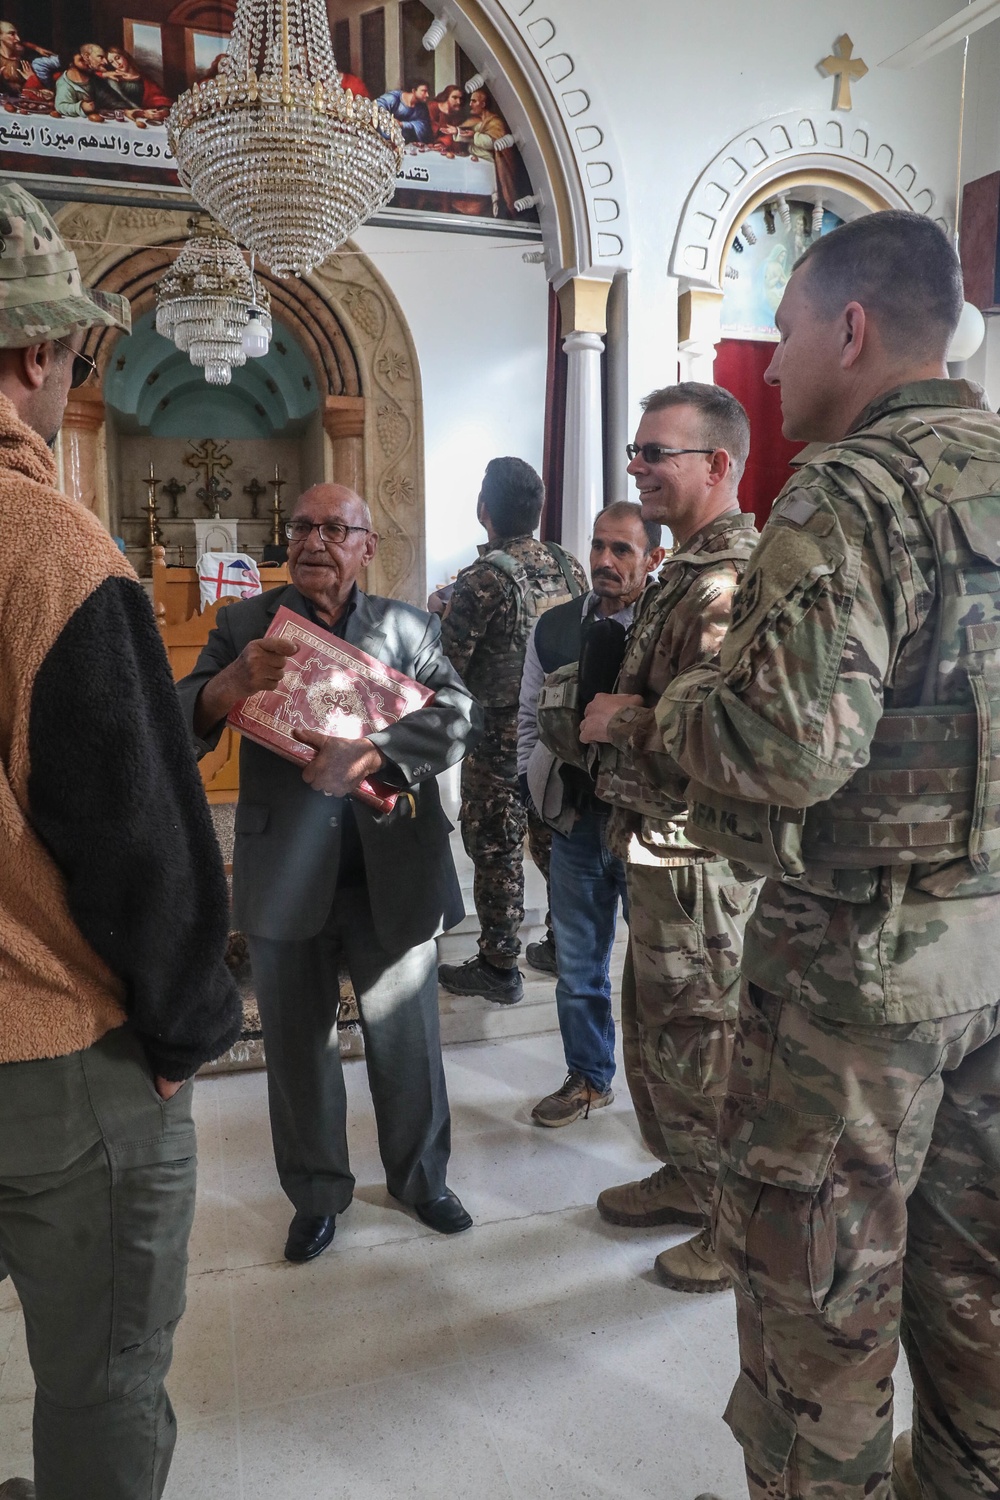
275,148
205,300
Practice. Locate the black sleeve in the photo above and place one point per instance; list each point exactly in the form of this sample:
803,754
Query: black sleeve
427,741
114,793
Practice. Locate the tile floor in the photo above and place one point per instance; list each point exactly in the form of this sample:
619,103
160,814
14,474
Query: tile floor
535,1356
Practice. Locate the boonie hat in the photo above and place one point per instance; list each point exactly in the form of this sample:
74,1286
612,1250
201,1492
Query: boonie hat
42,295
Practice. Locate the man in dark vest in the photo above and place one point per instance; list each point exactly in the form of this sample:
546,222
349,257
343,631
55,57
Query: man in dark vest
495,603
586,880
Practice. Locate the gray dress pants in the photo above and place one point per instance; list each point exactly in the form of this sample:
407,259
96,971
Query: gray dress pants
97,1180
298,994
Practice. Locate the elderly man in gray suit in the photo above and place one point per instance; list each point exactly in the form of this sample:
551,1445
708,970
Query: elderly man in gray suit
318,876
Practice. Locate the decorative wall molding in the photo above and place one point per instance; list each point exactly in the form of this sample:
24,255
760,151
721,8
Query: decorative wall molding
881,174
351,327
555,110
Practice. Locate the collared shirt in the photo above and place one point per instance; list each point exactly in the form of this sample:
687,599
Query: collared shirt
533,676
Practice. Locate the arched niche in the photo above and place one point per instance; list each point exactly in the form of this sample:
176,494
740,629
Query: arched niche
790,154
352,332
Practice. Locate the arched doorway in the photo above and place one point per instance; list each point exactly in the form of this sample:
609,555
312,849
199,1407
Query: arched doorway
761,252
346,390
761,192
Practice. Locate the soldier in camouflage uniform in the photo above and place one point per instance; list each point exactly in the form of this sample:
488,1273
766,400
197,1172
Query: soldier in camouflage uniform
686,907
848,745
485,631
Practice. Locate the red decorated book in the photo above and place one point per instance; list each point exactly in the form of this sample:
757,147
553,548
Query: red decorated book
332,688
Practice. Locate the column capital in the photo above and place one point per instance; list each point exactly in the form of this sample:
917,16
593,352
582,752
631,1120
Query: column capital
84,409
344,416
583,302
588,343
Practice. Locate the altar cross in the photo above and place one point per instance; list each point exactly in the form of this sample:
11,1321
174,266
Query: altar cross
846,69
254,490
210,459
173,488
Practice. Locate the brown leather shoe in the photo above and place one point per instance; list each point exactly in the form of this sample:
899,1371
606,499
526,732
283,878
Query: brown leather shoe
905,1484
693,1267
662,1198
576,1097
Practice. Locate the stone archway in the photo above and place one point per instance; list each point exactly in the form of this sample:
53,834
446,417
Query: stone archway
359,344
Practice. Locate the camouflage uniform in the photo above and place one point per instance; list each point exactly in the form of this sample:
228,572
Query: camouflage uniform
858,693
485,635
686,908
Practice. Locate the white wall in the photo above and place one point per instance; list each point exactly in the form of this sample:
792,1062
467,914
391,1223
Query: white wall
479,319
981,156
677,81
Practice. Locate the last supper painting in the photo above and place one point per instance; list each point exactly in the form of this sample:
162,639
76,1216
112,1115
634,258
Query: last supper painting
86,87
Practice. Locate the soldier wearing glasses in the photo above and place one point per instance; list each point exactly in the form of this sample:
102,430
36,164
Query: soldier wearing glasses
317,877
687,909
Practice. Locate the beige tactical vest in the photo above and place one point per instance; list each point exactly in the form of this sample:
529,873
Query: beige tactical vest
930,794
494,674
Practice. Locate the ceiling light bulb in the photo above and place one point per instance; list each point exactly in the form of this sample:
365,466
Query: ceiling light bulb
256,335
969,334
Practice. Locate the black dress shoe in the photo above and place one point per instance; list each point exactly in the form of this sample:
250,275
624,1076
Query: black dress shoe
308,1236
445,1214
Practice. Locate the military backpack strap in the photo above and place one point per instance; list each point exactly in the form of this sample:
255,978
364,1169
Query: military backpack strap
565,567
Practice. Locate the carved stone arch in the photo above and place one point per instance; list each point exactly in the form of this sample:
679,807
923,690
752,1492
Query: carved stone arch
557,113
787,149
353,331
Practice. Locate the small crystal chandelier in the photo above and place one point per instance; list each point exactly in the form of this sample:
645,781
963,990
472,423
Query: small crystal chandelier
275,148
208,302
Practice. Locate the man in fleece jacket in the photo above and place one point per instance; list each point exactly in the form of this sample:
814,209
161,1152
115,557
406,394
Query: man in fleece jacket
113,917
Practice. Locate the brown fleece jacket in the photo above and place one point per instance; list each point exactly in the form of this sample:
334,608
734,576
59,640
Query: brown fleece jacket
108,864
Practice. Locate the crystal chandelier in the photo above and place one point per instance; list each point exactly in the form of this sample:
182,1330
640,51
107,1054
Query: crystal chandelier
275,148
207,301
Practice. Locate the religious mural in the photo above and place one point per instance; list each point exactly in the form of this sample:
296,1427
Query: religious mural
769,242
85,87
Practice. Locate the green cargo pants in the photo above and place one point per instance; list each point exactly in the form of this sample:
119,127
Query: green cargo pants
97,1180
680,989
859,1204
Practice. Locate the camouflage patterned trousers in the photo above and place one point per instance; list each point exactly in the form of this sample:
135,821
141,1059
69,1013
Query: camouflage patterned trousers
859,1202
494,824
680,989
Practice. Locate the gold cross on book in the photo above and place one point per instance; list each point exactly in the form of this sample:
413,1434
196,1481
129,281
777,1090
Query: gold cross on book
846,69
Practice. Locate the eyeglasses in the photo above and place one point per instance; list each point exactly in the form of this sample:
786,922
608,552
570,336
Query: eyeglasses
333,532
653,453
83,365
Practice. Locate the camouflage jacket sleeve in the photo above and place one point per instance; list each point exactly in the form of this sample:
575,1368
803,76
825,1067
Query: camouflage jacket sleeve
482,597
691,636
788,714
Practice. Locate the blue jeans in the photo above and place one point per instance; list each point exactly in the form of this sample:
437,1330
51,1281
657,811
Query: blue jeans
586,882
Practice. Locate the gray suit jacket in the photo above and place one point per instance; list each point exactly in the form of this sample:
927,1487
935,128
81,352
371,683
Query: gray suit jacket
287,850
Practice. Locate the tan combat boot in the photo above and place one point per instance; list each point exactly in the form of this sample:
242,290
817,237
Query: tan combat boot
661,1198
693,1267
905,1484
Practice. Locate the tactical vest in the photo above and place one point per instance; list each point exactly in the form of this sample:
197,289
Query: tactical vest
494,674
621,787
930,794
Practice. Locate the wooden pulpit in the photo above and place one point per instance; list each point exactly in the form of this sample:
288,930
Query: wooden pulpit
185,630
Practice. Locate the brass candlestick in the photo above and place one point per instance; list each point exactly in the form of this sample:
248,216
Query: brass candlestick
152,515
277,484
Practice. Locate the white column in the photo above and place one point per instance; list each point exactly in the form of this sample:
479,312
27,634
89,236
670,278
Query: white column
583,465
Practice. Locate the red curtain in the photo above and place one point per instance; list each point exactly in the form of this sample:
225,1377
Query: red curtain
555,425
739,367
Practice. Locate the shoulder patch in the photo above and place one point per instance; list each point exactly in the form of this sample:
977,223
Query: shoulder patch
798,510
